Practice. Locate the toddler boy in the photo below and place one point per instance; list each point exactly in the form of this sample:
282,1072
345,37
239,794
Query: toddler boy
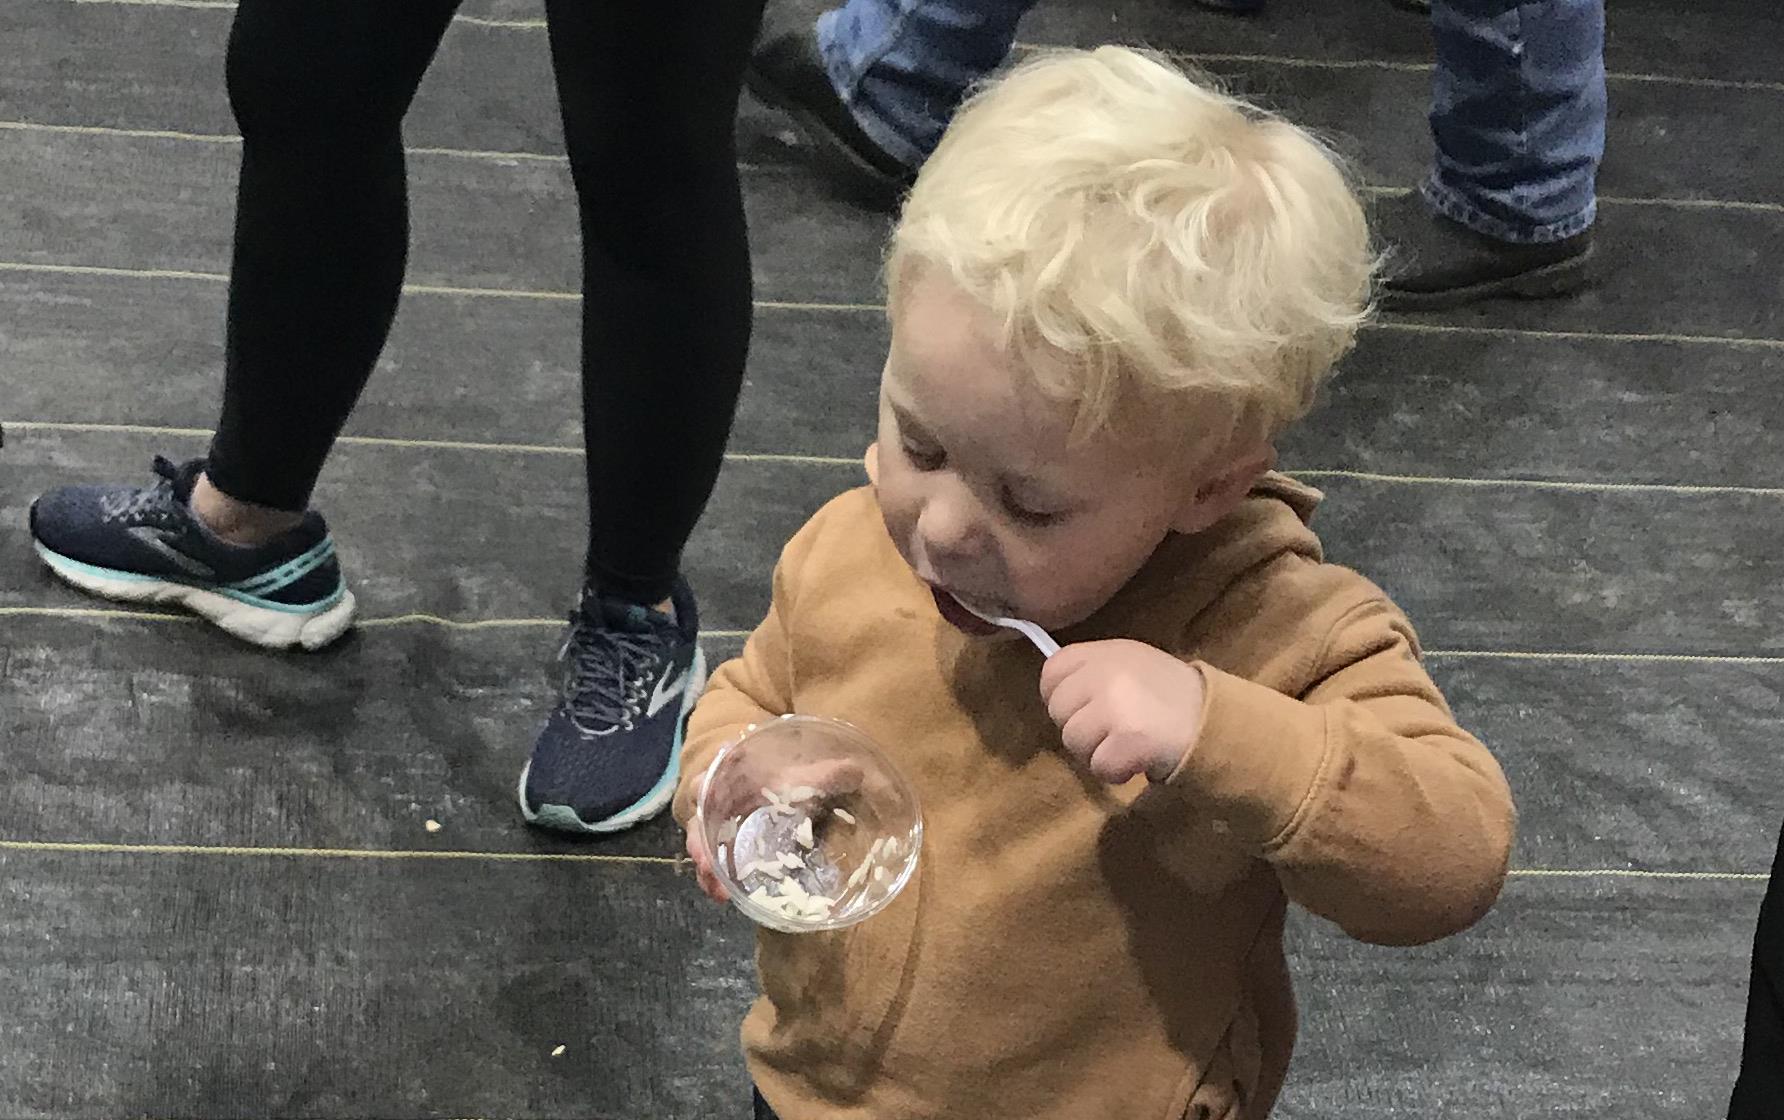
1110,290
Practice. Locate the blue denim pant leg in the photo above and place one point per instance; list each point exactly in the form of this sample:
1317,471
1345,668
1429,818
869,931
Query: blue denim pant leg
902,66
1517,112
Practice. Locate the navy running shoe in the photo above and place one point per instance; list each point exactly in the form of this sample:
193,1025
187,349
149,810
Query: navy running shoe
611,752
145,545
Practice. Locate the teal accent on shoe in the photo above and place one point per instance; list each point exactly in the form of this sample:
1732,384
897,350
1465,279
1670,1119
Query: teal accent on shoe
561,817
320,605
287,573
340,592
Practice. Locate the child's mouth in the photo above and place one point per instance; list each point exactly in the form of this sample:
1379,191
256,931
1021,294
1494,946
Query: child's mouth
958,616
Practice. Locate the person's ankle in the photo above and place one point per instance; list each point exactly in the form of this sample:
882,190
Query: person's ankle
238,522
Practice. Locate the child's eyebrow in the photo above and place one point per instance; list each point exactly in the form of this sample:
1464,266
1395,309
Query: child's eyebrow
908,424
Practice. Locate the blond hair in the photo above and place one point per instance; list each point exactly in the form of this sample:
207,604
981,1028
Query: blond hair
1144,240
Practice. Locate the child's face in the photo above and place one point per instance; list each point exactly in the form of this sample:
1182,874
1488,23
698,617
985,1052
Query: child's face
985,496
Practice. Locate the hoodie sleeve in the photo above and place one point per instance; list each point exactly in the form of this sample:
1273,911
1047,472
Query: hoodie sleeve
1374,808
753,687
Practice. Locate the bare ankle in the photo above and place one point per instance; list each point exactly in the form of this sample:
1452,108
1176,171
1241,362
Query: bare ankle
239,522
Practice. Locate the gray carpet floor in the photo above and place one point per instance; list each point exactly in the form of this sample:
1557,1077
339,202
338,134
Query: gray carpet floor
217,897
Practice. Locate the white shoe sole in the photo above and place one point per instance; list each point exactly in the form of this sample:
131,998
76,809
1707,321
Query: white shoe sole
263,626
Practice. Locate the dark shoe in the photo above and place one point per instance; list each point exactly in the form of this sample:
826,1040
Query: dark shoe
787,72
1422,7
143,544
610,753
1434,262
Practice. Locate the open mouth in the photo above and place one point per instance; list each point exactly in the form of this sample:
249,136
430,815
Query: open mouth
958,616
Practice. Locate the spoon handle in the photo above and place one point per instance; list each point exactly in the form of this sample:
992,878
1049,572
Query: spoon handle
1042,640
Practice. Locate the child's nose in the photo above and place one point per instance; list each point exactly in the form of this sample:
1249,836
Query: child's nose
946,526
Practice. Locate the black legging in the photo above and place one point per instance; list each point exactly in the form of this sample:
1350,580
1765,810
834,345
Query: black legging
648,96
1759,1094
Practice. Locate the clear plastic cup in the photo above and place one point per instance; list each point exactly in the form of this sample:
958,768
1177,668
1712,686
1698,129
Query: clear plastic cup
809,825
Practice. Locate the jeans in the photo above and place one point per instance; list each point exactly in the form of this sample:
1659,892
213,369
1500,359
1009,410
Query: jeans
1517,110
902,66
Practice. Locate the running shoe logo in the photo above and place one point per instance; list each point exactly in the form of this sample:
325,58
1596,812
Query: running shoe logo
670,687
159,540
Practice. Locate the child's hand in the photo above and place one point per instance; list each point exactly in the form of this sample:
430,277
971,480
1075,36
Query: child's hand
1124,708
703,873
829,778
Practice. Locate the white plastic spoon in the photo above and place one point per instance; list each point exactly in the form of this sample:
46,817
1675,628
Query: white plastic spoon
1042,640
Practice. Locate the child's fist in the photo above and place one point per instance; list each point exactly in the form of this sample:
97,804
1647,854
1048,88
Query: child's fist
1124,708
829,780
703,873
697,852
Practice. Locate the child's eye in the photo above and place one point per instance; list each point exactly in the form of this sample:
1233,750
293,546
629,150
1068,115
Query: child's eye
923,458
1031,517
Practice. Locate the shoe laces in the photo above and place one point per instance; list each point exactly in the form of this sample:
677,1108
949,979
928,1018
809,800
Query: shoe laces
609,670
145,502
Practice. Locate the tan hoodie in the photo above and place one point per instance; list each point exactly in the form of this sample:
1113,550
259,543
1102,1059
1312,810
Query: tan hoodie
1074,951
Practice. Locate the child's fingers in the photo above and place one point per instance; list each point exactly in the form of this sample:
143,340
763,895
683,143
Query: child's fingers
1083,733
1115,766
696,847
1070,697
710,885
703,872
1059,668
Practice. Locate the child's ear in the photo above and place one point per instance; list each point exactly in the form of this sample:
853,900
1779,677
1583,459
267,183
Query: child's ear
1216,496
871,461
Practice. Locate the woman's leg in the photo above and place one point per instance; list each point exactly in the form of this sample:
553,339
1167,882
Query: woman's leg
649,97
319,89
649,104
